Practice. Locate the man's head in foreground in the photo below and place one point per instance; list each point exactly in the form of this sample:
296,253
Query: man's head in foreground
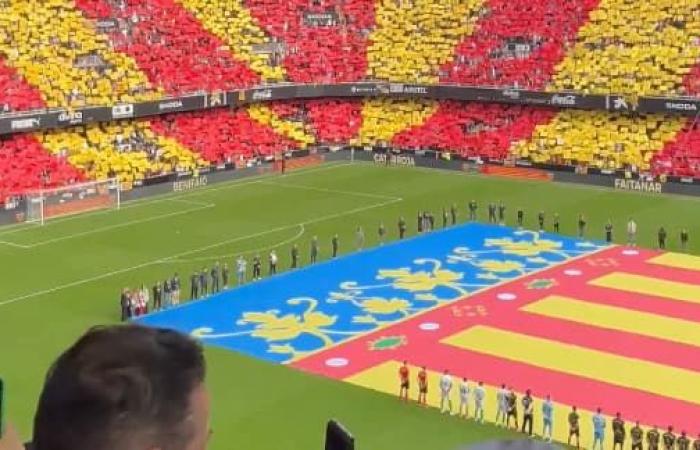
125,388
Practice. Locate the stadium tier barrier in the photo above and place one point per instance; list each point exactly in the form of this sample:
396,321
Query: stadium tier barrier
42,119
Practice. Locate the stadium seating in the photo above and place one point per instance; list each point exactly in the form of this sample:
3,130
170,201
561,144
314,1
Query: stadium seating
318,53
25,166
52,46
635,48
210,135
129,150
15,93
518,43
156,33
474,129
69,53
626,48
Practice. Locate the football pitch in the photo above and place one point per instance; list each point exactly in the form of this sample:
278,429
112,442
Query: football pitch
59,279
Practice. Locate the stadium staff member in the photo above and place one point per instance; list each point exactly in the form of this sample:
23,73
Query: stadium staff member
124,388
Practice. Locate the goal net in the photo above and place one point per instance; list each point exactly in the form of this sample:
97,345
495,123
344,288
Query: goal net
45,204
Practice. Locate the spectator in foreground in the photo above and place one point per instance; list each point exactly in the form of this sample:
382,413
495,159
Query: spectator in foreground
125,387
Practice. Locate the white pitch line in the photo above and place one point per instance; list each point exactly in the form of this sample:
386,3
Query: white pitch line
118,225
12,244
301,232
329,191
173,196
190,252
162,216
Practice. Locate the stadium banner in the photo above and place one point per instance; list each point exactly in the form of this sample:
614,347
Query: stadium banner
638,185
56,118
666,105
629,184
326,18
216,99
264,94
170,105
22,123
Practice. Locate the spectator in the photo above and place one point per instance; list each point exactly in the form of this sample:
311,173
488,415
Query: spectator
127,387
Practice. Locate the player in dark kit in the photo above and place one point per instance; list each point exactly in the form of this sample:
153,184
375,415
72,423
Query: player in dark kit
420,222
203,288
527,413
669,439
501,213
472,210
574,429
608,232
402,228
166,293
684,239
662,238
540,220
314,250
403,381
637,435
521,217
453,214
512,402
653,437
422,387
225,273
124,303
334,246
295,256
619,433
581,225
257,270
157,297
556,222
215,279
492,213
683,443
194,286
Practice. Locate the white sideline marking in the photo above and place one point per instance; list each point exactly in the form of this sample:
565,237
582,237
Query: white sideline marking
194,251
12,244
158,217
119,225
301,232
329,191
172,196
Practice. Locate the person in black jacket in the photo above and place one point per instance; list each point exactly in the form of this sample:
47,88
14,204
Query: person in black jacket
124,301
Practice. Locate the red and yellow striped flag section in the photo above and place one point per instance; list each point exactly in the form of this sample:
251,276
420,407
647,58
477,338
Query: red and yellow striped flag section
618,329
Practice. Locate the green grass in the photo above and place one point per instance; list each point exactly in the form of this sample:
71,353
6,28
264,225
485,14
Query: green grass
60,279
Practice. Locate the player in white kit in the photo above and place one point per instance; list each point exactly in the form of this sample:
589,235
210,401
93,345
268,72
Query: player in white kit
445,390
479,397
501,404
464,398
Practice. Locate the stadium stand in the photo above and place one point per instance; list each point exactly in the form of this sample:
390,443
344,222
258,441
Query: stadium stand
26,166
61,53
514,45
209,134
626,48
318,52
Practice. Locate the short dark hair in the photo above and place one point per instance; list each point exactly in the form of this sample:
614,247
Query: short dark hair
119,387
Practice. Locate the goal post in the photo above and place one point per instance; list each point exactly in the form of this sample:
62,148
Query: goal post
44,204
